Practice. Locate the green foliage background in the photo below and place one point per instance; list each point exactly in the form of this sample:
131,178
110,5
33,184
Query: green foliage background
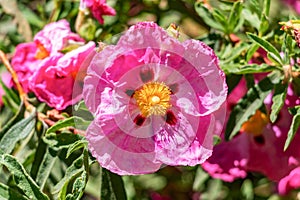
42,162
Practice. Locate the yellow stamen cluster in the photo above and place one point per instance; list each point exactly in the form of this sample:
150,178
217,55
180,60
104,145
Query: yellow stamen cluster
153,99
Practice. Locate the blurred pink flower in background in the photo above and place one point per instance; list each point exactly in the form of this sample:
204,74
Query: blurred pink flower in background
289,182
98,8
6,79
49,65
154,100
258,148
295,4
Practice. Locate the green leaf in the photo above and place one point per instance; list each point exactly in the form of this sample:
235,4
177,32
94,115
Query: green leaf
9,193
207,17
17,132
252,18
278,100
294,127
10,93
234,16
246,69
22,179
75,146
73,121
248,105
73,171
112,186
272,51
62,140
247,189
78,187
17,117
45,167
234,53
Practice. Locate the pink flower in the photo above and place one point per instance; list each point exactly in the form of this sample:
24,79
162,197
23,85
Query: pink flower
153,101
6,79
98,8
289,182
49,65
258,148
295,4
55,81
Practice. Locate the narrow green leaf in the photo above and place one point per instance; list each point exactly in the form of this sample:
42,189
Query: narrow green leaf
17,117
68,122
75,146
207,17
267,6
252,18
22,178
45,167
112,186
266,46
248,105
9,193
219,17
10,93
73,171
253,48
17,132
278,100
246,69
62,140
78,187
234,53
294,127
234,15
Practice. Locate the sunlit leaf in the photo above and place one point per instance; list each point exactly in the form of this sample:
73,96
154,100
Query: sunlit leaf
22,178
294,127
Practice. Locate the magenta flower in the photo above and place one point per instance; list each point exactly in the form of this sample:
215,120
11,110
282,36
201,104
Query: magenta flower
55,81
6,79
258,148
295,4
153,101
98,8
289,182
50,65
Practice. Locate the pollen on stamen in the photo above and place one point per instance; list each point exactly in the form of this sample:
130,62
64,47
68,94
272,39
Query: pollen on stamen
153,99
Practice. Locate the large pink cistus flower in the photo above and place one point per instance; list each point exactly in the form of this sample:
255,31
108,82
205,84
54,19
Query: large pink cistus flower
49,65
154,100
98,8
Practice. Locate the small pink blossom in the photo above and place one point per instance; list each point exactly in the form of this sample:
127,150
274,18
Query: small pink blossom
154,100
98,8
49,65
289,182
6,79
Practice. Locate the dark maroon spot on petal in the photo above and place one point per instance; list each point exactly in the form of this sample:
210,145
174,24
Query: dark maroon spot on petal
139,120
57,76
147,75
174,88
129,92
170,118
259,139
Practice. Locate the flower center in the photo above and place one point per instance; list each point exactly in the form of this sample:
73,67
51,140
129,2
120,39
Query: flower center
255,124
153,99
41,52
